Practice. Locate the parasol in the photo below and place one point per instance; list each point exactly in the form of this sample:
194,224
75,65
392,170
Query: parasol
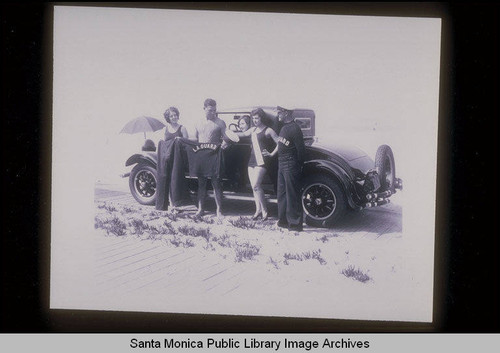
142,124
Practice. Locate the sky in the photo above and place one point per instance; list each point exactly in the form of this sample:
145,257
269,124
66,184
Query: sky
358,73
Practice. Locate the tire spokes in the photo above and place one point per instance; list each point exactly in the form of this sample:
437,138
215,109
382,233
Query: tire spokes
145,184
319,201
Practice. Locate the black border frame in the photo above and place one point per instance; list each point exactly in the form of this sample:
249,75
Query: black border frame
466,260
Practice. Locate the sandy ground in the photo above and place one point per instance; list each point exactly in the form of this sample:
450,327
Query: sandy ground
361,268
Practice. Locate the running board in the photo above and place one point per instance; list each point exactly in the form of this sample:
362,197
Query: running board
241,197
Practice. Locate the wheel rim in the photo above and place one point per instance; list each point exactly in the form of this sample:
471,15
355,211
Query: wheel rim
319,201
145,184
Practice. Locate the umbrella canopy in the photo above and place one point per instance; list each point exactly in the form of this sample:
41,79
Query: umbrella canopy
142,124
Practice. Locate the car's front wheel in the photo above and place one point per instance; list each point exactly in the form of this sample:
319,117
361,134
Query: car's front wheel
142,183
323,201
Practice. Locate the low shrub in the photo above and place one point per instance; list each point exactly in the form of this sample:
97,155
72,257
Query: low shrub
127,210
111,225
356,274
243,223
109,208
171,229
138,225
327,237
273,262
245,251
315,255
184,242
198,219
161,230
195,232
224,240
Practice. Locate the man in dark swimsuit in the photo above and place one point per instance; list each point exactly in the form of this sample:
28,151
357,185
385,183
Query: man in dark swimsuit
291,153
210,131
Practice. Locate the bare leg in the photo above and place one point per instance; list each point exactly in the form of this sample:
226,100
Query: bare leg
260,201
259,191
202,190
252,176
218,195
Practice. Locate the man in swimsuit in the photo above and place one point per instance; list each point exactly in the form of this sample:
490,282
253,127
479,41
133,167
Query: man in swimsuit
212,130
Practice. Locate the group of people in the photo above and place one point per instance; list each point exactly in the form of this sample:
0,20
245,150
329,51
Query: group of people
287,144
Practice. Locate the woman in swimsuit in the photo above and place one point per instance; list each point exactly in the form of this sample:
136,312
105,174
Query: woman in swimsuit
174,129
244,123
263,140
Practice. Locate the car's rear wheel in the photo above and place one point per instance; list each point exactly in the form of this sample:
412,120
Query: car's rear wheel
386,167
323,201
142,183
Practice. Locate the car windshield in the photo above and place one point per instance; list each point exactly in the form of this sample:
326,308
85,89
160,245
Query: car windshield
305,118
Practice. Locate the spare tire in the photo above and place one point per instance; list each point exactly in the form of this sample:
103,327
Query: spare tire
386,167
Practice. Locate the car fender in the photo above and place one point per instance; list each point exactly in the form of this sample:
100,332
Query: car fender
340,174
149,158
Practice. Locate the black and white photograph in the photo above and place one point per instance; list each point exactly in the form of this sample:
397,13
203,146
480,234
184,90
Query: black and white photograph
239,163
116,115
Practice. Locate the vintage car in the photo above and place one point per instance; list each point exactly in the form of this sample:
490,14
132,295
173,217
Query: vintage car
335,177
